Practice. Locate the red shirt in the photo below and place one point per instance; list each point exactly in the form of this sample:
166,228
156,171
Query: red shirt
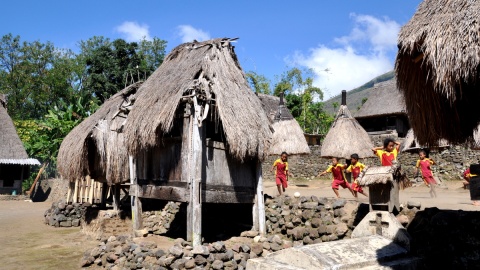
337,171
386,157
424,165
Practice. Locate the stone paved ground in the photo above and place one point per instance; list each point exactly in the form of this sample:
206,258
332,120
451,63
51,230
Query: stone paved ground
27,243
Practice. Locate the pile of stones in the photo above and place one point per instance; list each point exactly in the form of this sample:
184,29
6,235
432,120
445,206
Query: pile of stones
158,222
61,214
310,220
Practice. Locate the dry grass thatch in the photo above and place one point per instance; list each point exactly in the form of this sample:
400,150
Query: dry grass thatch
288,135
11,147
383,175
437,69
97,147
385,99
411,143
210,67
345,137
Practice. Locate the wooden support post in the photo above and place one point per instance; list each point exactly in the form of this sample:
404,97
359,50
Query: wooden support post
116,197
90,190
75,193
69,192
195,203
259,200
186,157
135,201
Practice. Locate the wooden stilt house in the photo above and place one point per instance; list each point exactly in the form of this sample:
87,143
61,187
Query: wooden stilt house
93,156
14,161
197,134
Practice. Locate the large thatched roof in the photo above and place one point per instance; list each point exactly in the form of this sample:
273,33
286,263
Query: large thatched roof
288,135
11,147
345,137
437,69
211,67
384,99
96,147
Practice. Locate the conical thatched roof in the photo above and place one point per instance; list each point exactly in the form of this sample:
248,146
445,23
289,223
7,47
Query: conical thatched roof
384,99
345,137
210,67
411,143
11,147
437,68
97,147
288,135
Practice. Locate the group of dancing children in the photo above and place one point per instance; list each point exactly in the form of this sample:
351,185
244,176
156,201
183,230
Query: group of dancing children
386,153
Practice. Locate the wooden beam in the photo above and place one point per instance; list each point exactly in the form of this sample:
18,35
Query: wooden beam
136,204
166,193
116,197
75,193
260,201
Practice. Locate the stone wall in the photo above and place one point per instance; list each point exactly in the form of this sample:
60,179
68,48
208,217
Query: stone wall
451,162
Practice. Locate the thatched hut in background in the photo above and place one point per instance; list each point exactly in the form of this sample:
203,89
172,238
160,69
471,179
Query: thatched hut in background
384,110
197,134
438,70
95,152
346,136
14,161
288,135
411,144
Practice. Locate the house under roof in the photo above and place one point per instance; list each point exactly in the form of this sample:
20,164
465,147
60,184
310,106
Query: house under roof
384,110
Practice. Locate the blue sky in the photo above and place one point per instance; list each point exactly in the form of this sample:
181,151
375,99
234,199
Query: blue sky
346,43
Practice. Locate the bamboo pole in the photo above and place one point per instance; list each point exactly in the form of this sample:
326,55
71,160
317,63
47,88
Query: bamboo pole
36,178
90,195
75,193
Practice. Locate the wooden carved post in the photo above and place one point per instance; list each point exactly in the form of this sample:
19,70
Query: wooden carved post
116,197
135,201
259,204
196,182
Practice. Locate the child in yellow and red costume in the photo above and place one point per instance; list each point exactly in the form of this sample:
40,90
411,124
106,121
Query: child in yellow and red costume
281,174
424,165
388,153
355,168
338,176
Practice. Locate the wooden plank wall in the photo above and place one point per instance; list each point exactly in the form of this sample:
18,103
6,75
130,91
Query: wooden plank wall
85,190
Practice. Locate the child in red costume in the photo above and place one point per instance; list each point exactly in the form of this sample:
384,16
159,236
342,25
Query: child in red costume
424,165
388,153
281,174
338,176
355,168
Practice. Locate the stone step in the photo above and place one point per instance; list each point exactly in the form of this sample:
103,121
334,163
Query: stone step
371,252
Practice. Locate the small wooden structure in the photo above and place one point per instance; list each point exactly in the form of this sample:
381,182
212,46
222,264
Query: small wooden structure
93,157
411,144
384,110
197,134
346,136
383,187
14,161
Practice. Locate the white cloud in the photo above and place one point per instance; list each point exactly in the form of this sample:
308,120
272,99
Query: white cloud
365,53
132,31
188,33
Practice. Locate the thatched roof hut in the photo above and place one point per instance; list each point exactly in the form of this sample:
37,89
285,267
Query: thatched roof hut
346,136
11,147
288,135
212,68
96,147
411,143
384,109
438,70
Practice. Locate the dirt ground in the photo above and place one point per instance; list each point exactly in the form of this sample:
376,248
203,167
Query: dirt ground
27,243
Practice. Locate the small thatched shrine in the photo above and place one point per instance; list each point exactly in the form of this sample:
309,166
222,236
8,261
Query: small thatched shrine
346,136
197,134
14,161
411,144
94,153
384,110
438,70
288,135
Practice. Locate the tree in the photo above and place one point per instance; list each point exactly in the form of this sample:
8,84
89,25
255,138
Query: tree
258,83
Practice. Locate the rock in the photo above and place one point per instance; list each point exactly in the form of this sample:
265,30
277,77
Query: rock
316,222
307,240
310,205
217,265
257,249
178,264
256,239
297,221
190,264
66,223
296,194
141,233
112,238
341,229
266,245
200,260
307,214
250,234
289,225
201,250
275,246
403,219
245,248
219,246
158,252
176,251
298,233
338,203
339,212
412,204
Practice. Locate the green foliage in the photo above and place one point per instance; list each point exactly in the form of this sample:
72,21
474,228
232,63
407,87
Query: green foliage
258,83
